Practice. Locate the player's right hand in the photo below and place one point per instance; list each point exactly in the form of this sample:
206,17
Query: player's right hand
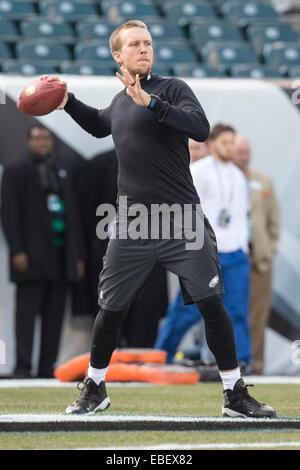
66,95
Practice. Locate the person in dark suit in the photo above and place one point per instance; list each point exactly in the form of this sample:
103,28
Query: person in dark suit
102,183
42,224
140,326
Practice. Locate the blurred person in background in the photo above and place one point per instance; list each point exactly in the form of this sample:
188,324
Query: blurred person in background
198,150
222,190
43,228
264,234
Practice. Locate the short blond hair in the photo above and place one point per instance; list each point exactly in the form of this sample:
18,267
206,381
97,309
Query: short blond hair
115,39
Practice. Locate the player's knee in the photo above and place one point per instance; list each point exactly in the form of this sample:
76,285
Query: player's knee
212,308
109,319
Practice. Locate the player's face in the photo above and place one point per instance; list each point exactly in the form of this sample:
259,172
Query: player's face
40,142
241,155
136,53
223,146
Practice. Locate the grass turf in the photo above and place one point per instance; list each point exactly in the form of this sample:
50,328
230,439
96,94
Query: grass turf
202,400
62,440
181,400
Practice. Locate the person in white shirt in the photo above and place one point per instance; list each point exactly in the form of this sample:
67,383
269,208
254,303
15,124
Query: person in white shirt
223,192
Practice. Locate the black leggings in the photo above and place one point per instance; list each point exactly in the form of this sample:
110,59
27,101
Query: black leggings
218,330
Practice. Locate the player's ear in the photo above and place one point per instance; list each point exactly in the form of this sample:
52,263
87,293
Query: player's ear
117,57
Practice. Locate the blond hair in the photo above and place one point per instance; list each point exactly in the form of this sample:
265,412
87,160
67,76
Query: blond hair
115,39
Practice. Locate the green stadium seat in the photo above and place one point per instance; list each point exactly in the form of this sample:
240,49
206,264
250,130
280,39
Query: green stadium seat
216,31
261,35
163,2
93,29
117,11
259,71
15,67
228,55
243,13
219,4
48,50
198,71
16,9
86,68
294,72
46,29
165,53
185,12
95,50
282,55
161,69
8,31
5,51
165,31
68,10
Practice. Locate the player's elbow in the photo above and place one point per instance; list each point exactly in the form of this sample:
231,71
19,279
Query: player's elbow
202,131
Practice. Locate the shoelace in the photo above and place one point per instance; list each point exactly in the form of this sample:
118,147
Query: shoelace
244,391
83,388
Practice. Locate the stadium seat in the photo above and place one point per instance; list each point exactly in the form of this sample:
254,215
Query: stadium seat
161,3
228,55
219,4
161,69
27,68
69,10
258,71
46,29
282,55
43,50
294,72
185,12
5,51
16,9
197,71
244,13
260,35
117,11
93,29
77,68
93,50
8,31
174,54
215,31
165,31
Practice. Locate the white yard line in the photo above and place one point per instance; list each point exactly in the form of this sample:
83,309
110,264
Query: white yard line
17,383
54,418
213,445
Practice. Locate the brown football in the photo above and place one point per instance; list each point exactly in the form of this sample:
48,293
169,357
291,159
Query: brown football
41,97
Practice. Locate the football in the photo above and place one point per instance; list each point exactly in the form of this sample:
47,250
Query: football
41,97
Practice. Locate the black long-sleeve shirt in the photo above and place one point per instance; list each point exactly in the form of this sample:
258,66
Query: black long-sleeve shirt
151,144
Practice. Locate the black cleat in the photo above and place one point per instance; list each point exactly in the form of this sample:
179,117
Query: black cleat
93,398
238,403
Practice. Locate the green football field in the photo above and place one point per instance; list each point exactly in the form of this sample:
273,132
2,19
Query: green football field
203,400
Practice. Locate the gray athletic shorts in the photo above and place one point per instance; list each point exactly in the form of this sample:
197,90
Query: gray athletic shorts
128,263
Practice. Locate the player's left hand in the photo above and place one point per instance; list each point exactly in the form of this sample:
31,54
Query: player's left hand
133,88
